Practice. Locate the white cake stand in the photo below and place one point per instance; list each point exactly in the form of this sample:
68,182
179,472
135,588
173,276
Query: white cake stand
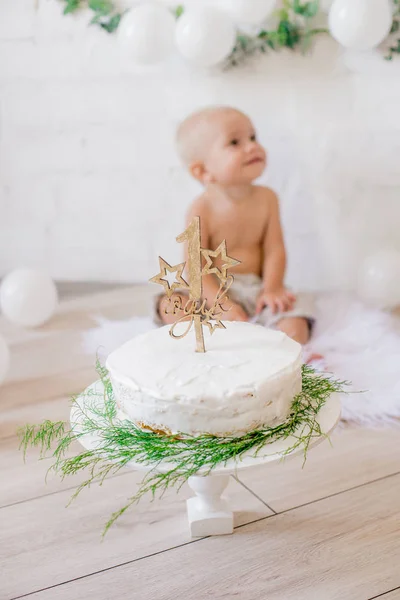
208,511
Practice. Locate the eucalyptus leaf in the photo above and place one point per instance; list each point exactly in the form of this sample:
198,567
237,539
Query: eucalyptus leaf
102,7
306,9
179,10
71,6
112,24
311,9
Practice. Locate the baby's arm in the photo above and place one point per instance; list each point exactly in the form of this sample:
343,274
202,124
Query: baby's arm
274,293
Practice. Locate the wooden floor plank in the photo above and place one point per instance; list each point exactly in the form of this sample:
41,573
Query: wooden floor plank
121,303
33,401
42,543
342,548
51,363
393,595
48,355
77,313
356,456
24,480
135,296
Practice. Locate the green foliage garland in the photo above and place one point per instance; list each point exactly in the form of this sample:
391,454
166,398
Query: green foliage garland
122,441
105,14
293,29
394,48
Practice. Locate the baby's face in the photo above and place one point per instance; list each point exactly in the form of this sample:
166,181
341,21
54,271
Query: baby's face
234,156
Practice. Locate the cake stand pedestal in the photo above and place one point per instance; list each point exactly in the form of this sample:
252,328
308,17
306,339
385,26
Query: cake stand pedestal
208,511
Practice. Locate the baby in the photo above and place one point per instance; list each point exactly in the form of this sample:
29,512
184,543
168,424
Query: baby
219,146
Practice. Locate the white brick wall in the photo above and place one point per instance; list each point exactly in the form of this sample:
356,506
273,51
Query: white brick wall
91,188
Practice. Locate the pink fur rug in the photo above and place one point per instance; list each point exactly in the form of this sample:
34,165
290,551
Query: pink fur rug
359,344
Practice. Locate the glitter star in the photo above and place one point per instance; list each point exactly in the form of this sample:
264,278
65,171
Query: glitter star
213,326
227,262
179,282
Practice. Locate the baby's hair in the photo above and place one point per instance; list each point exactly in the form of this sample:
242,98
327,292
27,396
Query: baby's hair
192,133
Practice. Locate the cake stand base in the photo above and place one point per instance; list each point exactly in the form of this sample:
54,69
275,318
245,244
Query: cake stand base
208,512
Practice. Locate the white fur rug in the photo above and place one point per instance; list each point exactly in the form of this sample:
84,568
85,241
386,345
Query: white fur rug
359,344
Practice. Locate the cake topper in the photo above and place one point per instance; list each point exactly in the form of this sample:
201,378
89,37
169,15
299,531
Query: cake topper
194,309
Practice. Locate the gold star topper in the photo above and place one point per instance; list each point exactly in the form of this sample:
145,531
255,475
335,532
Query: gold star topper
194,309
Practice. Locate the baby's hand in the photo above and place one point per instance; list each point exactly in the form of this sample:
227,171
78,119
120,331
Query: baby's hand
280,300
236,312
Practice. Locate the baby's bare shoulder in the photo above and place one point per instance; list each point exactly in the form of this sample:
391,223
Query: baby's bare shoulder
265,195
200,203
199,207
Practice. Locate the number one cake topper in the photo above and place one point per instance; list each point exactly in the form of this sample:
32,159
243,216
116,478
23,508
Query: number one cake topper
194,309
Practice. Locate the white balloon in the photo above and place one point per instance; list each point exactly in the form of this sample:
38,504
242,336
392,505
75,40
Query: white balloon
205,36
379,279
28,297
360,24
146,33
251,12
4,359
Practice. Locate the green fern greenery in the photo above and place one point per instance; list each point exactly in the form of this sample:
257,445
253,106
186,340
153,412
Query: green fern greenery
121,441
294,28
394,44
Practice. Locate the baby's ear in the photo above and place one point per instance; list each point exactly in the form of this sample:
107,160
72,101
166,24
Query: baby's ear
198,171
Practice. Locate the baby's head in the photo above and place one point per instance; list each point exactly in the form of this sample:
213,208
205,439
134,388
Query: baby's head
219,145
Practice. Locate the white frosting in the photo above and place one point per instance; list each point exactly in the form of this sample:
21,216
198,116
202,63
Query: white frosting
247,378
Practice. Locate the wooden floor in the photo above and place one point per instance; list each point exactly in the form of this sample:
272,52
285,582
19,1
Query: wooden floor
329,531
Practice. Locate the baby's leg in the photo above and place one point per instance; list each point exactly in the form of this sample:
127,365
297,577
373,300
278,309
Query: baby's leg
165,308
297,328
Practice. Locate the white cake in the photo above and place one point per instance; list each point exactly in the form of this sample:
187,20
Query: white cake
247,378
